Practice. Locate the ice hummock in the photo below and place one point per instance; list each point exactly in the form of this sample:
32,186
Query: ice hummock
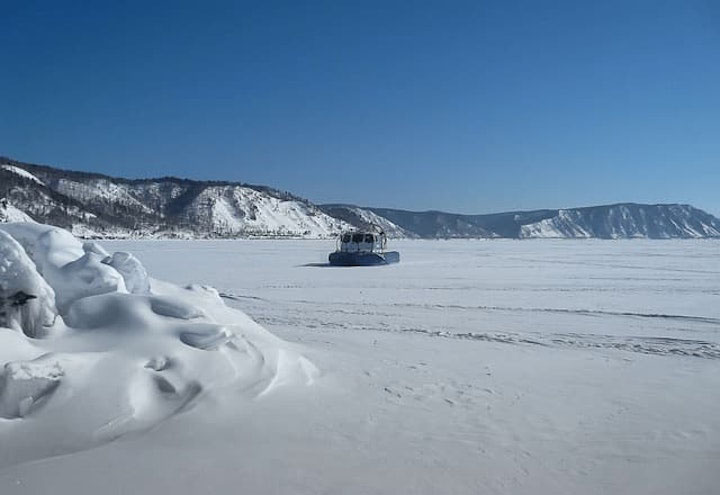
91,348
27,302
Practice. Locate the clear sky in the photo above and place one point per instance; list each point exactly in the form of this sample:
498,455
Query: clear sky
471,107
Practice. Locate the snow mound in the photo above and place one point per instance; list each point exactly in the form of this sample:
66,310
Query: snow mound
92,349
27,302
72,272
25,385
132,271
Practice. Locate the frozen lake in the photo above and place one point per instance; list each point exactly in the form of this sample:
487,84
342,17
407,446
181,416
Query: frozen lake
641,296
470,367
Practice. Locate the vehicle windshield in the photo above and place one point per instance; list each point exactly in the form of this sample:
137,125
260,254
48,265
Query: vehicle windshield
357,237
369,238
346,238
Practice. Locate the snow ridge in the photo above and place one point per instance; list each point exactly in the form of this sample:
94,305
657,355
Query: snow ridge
626,221
22,173
98,206
364,217
93,205
619,221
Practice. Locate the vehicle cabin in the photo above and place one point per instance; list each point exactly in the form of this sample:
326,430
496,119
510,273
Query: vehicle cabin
362,242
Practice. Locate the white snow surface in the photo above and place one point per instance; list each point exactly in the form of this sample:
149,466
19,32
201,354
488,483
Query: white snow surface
495,366
102,351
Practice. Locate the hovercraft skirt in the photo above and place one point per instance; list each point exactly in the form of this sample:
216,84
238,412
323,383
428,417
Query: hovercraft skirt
340,258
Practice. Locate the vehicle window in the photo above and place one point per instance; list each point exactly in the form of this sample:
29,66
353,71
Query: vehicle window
346,238
357,237
369,238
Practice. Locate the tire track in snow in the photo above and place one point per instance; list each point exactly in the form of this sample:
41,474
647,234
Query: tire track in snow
709,320
658,346
326,318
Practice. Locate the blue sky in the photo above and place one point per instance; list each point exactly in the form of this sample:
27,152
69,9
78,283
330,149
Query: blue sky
470,107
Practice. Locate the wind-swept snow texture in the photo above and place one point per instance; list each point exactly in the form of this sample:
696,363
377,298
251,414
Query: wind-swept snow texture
91,349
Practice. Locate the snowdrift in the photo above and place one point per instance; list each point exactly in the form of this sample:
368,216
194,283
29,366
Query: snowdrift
92,349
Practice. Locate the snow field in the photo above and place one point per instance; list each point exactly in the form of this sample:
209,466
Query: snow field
500,367
508,367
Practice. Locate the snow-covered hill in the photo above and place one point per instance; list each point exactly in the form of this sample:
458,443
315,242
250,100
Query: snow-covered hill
94,205
620,221
626,221
363,217
21,172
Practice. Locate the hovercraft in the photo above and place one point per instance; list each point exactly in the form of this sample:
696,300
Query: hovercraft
363,248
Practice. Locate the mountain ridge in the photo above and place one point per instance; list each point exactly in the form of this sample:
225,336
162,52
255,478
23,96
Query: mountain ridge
97,205
93,204
617,220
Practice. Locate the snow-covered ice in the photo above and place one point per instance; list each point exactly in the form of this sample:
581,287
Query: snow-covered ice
541,366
